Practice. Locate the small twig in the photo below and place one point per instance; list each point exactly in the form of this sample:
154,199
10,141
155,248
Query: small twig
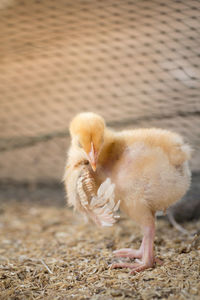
41,260
176,225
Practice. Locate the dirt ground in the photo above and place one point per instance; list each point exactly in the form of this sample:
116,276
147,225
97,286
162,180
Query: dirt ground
48,252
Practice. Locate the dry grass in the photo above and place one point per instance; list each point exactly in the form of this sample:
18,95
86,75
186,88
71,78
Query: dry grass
49,253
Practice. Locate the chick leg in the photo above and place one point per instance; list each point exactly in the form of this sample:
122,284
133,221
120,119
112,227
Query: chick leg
132,253
145,252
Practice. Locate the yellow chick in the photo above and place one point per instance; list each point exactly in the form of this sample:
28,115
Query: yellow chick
149,168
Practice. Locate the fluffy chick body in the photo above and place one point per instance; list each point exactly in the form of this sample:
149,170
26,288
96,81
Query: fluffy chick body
149,168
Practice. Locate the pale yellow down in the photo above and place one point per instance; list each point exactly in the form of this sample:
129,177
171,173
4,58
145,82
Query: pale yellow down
148,166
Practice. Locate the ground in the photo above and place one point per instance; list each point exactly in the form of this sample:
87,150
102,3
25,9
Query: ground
48,252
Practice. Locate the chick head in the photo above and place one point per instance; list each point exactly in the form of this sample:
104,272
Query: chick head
87,132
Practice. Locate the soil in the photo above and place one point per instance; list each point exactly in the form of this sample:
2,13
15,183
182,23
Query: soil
48,252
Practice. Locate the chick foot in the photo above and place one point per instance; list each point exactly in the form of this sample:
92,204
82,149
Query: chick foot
133,253
135,267
128,252
138,266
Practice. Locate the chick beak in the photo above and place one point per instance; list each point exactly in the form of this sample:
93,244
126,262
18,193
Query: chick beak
92,155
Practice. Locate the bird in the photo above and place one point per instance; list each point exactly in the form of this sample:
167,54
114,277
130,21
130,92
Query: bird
148,166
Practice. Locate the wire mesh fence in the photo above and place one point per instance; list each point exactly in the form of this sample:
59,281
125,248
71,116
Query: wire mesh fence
137,63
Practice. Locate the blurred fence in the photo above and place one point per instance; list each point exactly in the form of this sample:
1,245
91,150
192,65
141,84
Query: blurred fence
137,63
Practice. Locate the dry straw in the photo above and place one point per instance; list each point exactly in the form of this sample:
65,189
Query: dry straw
49,253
